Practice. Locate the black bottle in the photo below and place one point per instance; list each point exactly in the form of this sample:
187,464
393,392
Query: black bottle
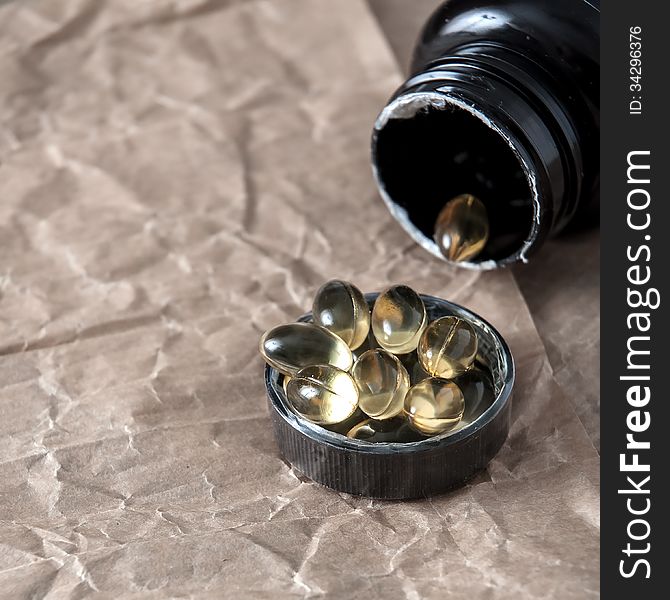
502,103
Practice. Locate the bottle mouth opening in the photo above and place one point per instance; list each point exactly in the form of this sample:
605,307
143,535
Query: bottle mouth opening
429,147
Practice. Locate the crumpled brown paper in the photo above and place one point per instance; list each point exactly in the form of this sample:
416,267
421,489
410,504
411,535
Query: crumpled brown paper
176,178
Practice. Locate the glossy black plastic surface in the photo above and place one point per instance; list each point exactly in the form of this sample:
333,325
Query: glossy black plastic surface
503,103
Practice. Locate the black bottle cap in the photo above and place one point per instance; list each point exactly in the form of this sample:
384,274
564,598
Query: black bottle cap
402,470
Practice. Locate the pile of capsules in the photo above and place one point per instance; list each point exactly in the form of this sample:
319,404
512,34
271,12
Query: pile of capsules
381,375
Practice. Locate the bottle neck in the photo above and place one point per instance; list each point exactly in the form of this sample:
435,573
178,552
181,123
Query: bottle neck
484,120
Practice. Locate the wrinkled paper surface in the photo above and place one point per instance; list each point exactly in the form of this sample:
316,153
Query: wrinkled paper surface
177,177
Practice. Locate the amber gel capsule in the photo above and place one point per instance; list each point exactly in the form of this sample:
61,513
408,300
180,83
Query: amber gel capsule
382,383
447,347
434,406
341,308
323,394
398,319
289,348
462,228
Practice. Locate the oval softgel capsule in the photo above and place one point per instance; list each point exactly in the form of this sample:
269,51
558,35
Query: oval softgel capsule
323,394
382,382
462,228
434,406
447,347
341,308
289,348
398,319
